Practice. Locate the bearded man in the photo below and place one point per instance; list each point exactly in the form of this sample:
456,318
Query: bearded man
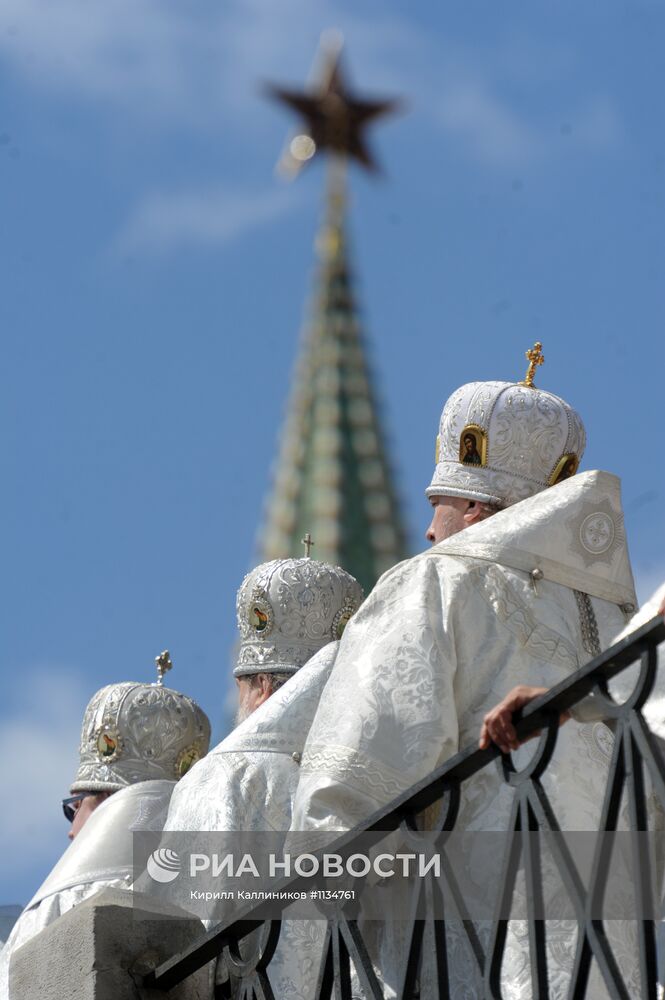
137,741
525,582
291,614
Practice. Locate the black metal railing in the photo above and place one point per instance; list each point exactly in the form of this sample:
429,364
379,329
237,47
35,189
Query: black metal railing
635,755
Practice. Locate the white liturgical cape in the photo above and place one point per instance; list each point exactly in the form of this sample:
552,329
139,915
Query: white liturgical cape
247,783
100,857
621,687
441,639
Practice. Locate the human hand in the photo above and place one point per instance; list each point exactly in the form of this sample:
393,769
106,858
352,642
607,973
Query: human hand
498,725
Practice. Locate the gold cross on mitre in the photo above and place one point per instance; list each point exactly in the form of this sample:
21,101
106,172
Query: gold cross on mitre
535,357
164,664
308,543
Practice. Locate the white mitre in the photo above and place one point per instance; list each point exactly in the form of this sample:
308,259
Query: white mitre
135,732
288,609
501,442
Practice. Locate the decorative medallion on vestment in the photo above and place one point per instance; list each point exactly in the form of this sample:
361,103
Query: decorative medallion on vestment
597,532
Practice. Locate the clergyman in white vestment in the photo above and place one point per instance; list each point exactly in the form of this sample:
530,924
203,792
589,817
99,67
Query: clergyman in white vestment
528,594
291,614
137,739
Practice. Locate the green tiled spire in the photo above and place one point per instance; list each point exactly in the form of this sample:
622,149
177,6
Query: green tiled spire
332,476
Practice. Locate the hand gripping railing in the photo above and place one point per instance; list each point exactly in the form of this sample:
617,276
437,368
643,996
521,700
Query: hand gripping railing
635,751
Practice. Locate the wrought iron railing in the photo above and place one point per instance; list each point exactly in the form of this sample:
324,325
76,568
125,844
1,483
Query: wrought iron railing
635,755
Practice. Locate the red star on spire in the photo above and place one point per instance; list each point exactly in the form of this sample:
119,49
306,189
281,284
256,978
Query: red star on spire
333,117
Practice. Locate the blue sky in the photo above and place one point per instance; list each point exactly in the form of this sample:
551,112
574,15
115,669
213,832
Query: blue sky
156,274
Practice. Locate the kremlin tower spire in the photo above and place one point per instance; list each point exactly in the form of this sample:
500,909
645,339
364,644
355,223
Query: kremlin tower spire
333,477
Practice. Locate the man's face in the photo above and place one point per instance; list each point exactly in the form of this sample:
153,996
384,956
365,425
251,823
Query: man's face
84,810
449,515
469,444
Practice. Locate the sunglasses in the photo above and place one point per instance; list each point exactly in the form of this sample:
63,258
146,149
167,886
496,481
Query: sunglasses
71,804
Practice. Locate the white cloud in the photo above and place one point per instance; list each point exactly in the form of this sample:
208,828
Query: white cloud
494,133
39,747
183,63
164,222
119,50
490,130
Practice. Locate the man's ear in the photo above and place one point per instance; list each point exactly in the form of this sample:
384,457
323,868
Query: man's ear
264,684
473,513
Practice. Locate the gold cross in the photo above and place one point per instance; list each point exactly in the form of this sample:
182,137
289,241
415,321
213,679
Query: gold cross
308,543
164,664
535,357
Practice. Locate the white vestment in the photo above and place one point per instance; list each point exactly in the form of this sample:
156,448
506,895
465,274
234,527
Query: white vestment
100,857
247,783
654,710
441,639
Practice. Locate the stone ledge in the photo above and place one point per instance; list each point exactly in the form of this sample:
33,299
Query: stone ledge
101,948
